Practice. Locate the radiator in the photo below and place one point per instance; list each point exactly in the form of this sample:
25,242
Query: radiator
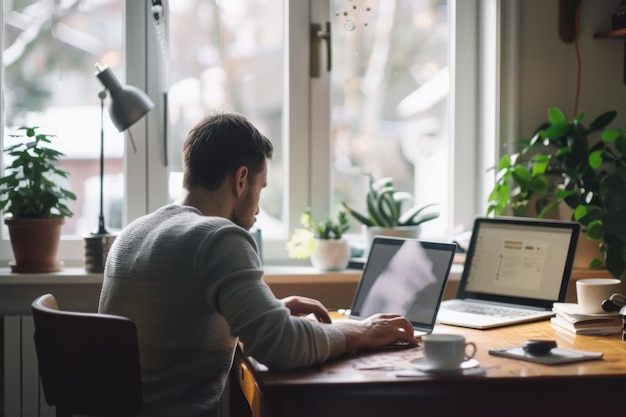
23,396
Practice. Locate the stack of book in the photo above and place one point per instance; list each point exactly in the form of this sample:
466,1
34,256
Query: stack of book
568,317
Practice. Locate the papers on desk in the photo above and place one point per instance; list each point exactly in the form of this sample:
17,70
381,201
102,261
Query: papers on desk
568,317
397,363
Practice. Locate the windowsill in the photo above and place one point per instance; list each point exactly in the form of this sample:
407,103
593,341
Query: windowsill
73,275
69,275
273,274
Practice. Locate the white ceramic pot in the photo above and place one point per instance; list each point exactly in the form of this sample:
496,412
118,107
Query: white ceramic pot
331,255
412,232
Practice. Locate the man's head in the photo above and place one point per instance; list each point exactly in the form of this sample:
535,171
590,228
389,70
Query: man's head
226,146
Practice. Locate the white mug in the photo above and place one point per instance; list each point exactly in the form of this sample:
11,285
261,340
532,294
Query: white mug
447,351
590,292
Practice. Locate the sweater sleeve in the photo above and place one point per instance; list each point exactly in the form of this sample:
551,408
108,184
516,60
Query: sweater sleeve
269,332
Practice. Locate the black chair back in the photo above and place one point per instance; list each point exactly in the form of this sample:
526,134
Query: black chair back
88,362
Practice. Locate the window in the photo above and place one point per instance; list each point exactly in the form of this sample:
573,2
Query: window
387,106
389,100
228,56
50,51
398,107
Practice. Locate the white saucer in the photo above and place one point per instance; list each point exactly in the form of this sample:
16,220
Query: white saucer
422,365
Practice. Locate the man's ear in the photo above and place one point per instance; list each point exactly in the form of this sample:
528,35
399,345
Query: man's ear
240,178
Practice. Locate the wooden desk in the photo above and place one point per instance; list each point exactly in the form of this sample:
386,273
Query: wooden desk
510,387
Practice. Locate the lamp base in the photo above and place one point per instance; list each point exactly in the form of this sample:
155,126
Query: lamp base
96,251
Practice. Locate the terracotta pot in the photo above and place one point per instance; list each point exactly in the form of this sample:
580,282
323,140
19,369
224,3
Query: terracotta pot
35,243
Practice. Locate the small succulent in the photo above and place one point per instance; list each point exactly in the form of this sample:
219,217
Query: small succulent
302,241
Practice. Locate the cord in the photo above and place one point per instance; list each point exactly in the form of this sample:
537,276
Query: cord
578,62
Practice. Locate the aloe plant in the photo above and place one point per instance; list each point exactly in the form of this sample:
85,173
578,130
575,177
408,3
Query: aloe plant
30,190
384,206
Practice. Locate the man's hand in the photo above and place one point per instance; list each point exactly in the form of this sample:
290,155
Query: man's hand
377,331
303,306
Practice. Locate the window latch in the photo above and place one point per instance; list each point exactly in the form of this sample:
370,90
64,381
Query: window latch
318,35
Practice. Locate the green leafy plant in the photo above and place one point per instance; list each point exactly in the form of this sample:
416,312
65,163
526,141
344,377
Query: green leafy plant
566,162
29,190
384,207
302,241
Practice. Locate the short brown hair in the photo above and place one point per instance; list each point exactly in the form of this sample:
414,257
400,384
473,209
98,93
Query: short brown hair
218,145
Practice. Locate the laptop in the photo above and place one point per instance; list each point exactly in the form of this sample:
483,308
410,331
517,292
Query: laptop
404,276
515,269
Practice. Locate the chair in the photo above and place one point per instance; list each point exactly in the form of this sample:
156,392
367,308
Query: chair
88,363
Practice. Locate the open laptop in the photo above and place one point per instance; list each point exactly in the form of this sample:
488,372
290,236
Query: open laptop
515,269
404,276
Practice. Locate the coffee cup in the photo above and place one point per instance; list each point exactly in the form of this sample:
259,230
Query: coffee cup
590,292
447,351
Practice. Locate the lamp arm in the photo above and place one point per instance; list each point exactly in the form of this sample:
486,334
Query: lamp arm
101,229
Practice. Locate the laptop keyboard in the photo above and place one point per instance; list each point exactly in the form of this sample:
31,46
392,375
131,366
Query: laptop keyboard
489,310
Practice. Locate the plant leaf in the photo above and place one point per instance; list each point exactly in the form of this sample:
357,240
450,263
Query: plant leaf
540,164
595,159
538,184
602,121
595,230
610,135
358,216
409,217
555,115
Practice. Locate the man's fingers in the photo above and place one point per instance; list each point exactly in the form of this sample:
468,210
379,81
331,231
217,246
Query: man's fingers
323,317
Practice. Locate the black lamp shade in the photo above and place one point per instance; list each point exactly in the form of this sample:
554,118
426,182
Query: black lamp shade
128,103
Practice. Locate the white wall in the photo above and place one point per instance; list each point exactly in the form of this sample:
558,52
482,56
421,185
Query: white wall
547,65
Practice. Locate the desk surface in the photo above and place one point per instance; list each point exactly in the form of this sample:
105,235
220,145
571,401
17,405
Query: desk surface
374,383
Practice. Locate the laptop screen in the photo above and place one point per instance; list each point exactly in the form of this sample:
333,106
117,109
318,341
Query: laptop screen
514,259
404,276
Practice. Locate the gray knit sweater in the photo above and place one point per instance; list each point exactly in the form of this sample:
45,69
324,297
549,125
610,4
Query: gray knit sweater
193,285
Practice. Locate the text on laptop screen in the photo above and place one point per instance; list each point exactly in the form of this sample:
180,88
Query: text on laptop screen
406,277
519,260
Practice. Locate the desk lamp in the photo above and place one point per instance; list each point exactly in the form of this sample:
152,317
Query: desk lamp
128,105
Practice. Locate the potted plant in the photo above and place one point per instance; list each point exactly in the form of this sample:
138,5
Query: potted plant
34,202
385,214
568,164
322,241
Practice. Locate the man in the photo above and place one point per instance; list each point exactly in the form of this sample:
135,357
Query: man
190,278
